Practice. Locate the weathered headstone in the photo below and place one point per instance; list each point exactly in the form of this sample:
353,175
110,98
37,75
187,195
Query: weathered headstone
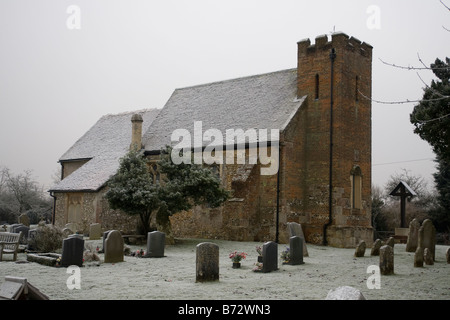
72,251
95,231
270,256
413,236
66,232
390,242
376,248
295,229
345,293
386,260
23,219
72,226
360,249
105,235
296,250
207,262
429,237
156,242
418,257
114,247
428,257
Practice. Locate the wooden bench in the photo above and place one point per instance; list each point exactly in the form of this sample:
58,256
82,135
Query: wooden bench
9,244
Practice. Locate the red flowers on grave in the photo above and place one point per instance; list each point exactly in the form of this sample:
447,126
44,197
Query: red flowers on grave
236,257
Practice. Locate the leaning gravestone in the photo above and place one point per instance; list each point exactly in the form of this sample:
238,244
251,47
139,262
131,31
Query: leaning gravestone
386,260
95,231
390,242
270,256
156,242
360,249
413,236
72,251
429,237
207,262
114,247
376,248
295,229
296,250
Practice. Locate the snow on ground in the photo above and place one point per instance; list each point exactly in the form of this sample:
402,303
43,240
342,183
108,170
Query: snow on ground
173,277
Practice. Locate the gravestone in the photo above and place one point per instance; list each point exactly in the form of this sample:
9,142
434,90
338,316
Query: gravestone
447,255
295,229
95,231
429,237
296,250
390,242
428,257
105,235
386,260
413,236
360,249
23,219
156,242
72,251
376,248
270,256
418,257
345,293
72,226
113,247
66,232
24,229
207,262
31,239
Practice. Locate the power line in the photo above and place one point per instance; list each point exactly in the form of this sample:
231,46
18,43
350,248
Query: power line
404,161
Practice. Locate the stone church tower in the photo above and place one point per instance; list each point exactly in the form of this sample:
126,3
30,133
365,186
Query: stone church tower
333,202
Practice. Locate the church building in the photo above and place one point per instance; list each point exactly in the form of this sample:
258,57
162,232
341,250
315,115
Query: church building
321,152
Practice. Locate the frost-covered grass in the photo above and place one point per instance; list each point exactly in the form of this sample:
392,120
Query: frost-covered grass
173,277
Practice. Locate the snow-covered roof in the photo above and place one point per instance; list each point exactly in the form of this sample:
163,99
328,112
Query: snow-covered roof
266,101
104,144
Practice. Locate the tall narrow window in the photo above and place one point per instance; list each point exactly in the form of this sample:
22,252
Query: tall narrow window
317,87
357,88
356,182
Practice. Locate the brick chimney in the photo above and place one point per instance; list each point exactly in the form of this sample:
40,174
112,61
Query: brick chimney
136,132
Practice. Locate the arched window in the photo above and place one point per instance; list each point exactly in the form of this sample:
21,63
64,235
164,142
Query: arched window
356,183
317,87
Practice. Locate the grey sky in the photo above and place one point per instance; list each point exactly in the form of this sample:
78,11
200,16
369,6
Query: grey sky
55,82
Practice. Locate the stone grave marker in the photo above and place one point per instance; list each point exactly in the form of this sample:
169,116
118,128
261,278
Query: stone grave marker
207,262
105,235
95,231
24,229
429,237
447,255
413,236
360,249
296,250
23,219
295,229
72,251
156,242
418,255
114,247
386,260
390,242
270,256
376,248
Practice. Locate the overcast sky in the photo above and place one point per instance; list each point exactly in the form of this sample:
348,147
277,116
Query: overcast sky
64,64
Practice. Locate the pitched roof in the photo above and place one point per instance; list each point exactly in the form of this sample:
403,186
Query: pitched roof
104,144
266,101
